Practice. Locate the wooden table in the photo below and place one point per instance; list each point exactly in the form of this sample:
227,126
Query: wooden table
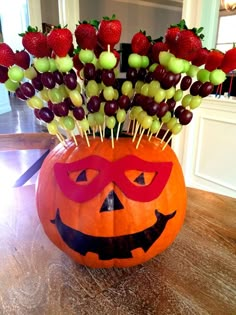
196,275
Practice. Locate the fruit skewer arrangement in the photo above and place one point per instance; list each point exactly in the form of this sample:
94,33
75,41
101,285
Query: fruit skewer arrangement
78,89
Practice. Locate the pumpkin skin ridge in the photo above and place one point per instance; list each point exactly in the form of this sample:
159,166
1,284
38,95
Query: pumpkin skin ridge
134,221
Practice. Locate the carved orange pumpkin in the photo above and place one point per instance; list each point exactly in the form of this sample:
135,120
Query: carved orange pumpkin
109,207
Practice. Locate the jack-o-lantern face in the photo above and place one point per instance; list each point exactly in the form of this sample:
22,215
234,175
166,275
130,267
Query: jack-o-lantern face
109,207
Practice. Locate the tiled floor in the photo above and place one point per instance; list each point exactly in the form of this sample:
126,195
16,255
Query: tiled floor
20,119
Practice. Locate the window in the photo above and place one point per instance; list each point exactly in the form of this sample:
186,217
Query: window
226,32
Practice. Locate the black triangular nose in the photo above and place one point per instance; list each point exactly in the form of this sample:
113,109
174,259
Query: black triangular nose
82,177
140,179
112,202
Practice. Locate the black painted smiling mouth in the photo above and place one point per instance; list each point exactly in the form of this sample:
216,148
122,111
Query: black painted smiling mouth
115,246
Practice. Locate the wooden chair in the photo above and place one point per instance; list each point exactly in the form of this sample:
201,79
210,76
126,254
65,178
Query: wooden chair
28,141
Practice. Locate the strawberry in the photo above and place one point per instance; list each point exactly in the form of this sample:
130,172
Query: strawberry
7,56
229,62
140,43
60,41
188,44
22,59
172,34
35,42
156,48
109,32
214,59
86,36
78,65
201,57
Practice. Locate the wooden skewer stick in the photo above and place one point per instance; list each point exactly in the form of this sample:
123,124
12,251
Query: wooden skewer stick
136,131
118,131
100,132
61,139
112,138
159,129
79,129
74,138
164,135
86,137
140,137
167,142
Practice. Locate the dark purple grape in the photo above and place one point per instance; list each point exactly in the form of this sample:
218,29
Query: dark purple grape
185,82
58,77
70,81
152,108
89,71
72,72
47,78
185,117
168,80
50,105
108,77
124,102
195,87
146,101
206,89
27,89
141,74
3,74
177,78
46,114
79,113
93,104
159,72
69,103
162,109
37,83
171,104
98,76
149,77
61,109
110,108
36,113
132,75
178,110
20,95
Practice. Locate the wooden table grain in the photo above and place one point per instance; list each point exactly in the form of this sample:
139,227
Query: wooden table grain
195,275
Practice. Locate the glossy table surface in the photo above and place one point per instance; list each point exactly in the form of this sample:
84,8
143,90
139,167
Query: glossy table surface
195,275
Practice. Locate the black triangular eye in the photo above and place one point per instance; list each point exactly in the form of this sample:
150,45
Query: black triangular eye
140,179
82,177
112,202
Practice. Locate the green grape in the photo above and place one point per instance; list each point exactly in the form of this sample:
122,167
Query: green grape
64,90
52,127
176,128
192,71
126,87
76,98
69,122
101,109
30,73
116,94
155,126
135,60
99,118
144,89
153,86
120,115
164,58
42,64
153,67
35,102
107,60
147,122
11,86
195,102
141,115
84,124
53,66
160,95
64,64
138,86
136,110
92,88
171,122
44,95
15,73
178,95
144,62
110,122
175,65
186,100
91,120
203,75
217,77
187,65
166,117
55,95
86,55
170,92
108,93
